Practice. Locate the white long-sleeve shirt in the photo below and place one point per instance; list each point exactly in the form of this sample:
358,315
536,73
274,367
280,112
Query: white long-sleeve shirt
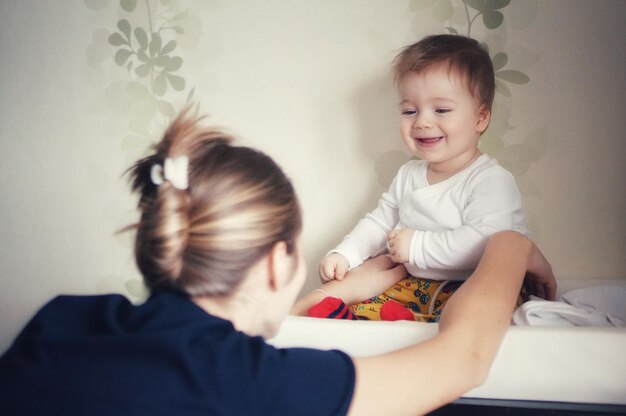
451,219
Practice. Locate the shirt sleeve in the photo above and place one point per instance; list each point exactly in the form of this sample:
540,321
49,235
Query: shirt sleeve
369,236
493,204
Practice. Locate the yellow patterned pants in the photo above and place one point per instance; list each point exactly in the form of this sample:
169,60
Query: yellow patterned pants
424,298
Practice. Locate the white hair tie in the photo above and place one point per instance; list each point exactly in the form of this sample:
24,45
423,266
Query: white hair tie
173,170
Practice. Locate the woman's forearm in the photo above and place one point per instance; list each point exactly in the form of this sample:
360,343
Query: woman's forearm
472,326
369,279
480,311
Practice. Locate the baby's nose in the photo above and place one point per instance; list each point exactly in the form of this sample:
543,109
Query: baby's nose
422,120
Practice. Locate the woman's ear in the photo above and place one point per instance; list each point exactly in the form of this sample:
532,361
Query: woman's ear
484,116
280,266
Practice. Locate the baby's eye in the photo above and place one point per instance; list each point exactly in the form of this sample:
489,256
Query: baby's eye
408,112
442,110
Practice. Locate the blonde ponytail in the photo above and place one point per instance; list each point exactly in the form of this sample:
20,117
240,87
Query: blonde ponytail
203,239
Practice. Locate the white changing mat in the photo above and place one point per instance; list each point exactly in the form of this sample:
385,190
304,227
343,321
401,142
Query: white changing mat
591,306
567,364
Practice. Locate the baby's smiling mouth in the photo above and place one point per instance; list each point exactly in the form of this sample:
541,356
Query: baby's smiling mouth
428,140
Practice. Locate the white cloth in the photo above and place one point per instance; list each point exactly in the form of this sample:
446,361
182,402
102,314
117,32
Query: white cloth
592,306
451,219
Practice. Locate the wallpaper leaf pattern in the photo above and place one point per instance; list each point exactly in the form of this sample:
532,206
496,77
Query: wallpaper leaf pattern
144,43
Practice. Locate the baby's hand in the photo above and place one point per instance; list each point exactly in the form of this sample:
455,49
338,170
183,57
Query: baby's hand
333,266
399,242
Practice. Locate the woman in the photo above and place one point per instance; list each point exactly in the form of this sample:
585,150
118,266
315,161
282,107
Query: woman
218,246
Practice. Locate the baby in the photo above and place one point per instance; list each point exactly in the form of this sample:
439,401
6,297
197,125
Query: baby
439,210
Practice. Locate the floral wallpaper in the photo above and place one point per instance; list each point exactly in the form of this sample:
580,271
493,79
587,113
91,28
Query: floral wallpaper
144,42
137,48
145,82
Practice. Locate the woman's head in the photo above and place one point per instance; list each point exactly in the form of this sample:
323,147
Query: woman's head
237,206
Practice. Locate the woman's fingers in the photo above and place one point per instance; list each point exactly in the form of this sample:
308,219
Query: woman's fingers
541,276
539,290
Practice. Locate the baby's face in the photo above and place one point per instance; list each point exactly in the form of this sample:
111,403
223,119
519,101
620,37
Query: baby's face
440,120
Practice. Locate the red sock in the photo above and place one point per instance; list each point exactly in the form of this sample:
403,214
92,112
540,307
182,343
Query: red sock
332,308
395,311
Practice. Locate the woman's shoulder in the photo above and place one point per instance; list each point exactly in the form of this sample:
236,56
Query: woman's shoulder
76,312
115,317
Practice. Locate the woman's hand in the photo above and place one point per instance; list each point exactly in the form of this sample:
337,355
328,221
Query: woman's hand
369,279
539,279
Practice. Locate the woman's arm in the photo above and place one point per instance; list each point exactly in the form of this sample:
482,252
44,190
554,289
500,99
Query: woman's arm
369,279
420,378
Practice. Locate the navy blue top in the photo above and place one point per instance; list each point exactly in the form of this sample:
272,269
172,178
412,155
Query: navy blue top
101,355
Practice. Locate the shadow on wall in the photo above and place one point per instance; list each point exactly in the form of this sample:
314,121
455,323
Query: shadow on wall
377,106
379,145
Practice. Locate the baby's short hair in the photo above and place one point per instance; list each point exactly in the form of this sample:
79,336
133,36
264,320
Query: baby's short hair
461,53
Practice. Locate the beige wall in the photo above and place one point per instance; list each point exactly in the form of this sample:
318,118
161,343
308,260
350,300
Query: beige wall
307,82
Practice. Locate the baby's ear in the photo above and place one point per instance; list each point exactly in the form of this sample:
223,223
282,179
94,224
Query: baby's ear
484,116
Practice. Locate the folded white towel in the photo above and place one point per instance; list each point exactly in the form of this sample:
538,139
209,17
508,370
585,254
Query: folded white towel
592,306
